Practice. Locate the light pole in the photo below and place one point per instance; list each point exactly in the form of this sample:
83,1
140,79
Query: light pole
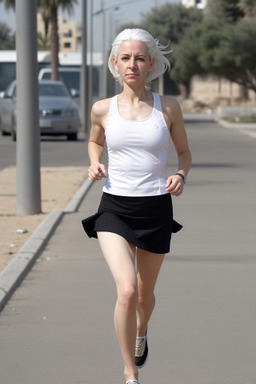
84,76
28,133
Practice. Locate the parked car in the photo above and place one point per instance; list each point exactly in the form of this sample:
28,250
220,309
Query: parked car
58,113
71,77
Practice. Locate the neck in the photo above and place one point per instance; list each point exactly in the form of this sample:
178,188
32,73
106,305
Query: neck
134,95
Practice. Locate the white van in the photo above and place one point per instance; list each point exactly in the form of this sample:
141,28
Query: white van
70,76
8,66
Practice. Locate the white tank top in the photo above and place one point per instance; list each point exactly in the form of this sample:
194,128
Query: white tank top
137,152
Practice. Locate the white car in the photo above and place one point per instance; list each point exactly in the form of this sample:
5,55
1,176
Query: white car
70,76
58,113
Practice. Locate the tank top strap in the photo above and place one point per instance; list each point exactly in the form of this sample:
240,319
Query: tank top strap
113,110
158,111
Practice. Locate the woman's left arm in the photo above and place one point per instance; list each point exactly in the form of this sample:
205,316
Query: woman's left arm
175,183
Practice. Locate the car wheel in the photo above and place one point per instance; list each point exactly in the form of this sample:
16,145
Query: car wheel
72,136
3,133
13,134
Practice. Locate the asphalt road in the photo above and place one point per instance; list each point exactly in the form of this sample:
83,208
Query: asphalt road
58,328
55,152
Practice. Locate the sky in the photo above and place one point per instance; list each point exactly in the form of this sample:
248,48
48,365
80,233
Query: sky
129,11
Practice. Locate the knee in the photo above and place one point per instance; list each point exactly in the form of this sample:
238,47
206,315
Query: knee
127,297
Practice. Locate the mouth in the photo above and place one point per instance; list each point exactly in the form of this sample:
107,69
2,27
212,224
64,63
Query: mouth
132,75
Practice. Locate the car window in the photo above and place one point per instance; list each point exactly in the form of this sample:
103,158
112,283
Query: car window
51,90
71,79
11,90
7,74
46,76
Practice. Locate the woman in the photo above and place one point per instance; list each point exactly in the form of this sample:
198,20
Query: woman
134,221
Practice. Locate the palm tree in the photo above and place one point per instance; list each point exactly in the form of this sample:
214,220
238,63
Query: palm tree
51,7
43,42
9,3
46,19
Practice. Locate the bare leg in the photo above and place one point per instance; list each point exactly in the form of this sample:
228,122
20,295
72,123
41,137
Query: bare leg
148,267
120,256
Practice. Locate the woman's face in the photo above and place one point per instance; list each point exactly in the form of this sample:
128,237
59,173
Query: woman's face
133,62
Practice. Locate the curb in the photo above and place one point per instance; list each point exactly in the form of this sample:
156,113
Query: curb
12,276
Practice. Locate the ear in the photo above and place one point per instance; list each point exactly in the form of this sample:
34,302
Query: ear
115,62
152,62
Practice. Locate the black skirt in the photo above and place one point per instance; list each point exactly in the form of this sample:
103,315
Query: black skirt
147,222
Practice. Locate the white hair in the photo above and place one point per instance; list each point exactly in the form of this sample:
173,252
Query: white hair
155,50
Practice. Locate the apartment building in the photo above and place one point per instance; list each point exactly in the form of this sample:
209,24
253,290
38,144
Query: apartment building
69,33
194,3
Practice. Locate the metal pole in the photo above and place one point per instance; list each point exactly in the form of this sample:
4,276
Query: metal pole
105,64
90,77
28,133
84,106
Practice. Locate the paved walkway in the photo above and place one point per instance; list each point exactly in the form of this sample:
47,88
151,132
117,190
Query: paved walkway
57,328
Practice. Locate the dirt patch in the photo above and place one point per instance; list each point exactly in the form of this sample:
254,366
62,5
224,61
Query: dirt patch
58,186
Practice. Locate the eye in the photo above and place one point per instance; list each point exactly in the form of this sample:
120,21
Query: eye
141,59
125,58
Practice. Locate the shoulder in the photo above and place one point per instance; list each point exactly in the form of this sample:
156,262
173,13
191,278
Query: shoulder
100,111
171,109
169,104
101,107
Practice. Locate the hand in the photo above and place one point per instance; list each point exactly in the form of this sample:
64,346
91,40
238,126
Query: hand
174,185
97,171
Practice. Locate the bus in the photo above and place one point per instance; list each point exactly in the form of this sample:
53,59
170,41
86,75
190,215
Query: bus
66,60
8,66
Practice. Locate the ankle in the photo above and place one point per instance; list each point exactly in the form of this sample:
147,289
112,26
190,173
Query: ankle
142,331
129,376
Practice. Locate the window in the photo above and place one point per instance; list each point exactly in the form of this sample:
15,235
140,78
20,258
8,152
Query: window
7,74
68,33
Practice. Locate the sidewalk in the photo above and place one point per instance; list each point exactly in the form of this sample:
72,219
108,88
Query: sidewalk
23,237
57,328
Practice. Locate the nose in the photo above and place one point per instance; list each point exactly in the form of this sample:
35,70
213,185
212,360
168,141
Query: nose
132,63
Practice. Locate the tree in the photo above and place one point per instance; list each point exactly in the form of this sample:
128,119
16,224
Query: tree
9,3
43,42
7,40
46,19
248,7
233,56
186,58
51,7
169,22
224,10
224,50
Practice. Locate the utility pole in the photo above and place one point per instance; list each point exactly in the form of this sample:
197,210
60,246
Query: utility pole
84,73
90,71
28,133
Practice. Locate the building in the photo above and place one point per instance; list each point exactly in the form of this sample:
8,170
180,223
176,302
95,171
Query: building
194,3
69,34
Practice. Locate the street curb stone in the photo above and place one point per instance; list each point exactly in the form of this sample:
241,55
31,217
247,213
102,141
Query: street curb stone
12,276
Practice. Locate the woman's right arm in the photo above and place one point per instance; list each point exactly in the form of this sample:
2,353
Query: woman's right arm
96,142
